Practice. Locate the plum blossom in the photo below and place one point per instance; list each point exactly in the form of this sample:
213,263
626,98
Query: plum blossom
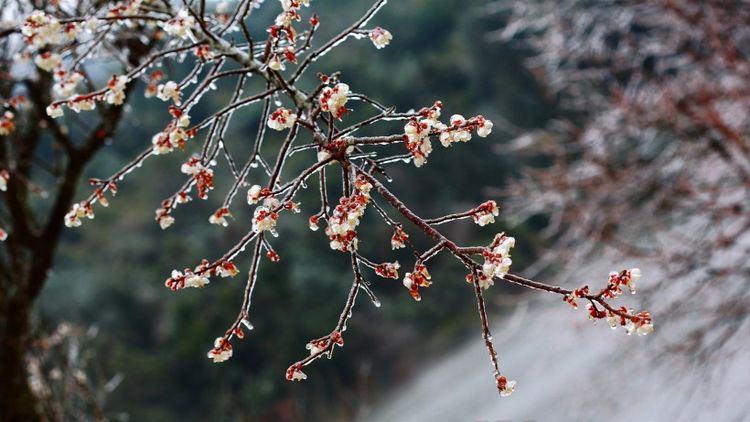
497,259
180,25
66,83
116,90
220,217
264,219
388,270
399,238
81,103
7,123
164,218
380,37
505,387
417,136
4,177
222,350
227,269
41,29
48,61
54,111
282,118
77,212
484,127
343,222
294,373
419,278
333,99
486,213
3,235
256,193
169,91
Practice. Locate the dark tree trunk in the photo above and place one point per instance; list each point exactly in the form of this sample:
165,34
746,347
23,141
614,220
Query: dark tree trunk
17,403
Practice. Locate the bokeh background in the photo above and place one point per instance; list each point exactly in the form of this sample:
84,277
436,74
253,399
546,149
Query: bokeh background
143,347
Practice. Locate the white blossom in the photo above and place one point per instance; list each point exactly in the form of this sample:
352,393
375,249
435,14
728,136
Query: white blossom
380,37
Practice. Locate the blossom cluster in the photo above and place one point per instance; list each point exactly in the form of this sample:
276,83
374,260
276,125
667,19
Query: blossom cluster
201,174
174,135
282,118
342,225
333,99
420,277
200,276
633,322
417,131
7,123
497,260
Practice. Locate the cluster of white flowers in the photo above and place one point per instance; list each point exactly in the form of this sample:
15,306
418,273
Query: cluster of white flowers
341,229
282,118
116,89
265,216
417,131
380,37
48,61
7,123
457,132
190,279
41,29
201,173
173,136
199,277
81,103
497,260
180,25
169,91
333,99
486,213
4,177
418,140
65,83
222,350
626,278
125,8
420,277
77,212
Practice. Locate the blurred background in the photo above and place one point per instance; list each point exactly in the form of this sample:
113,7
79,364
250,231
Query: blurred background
620,141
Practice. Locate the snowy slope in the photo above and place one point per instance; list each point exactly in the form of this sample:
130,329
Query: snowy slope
569,370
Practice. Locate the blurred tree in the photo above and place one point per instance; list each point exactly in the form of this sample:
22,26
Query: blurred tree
650,154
